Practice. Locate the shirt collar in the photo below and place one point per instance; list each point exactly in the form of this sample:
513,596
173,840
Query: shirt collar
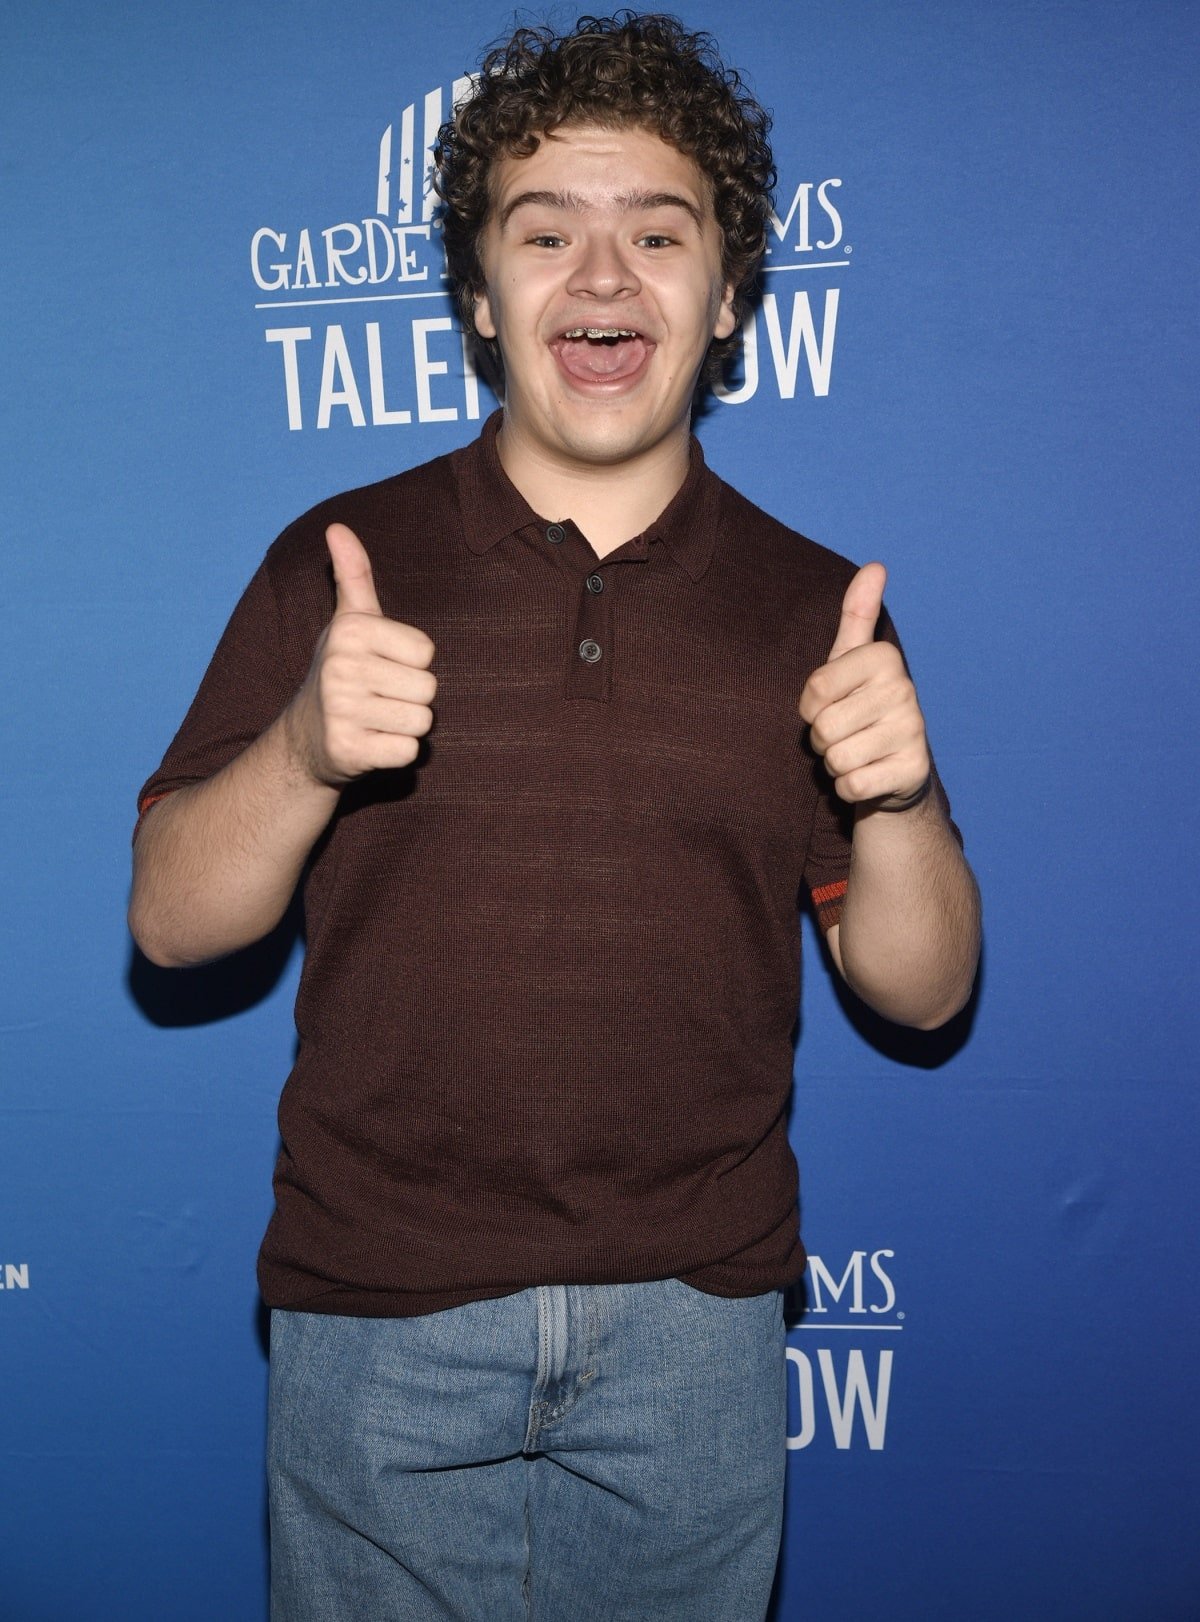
492,507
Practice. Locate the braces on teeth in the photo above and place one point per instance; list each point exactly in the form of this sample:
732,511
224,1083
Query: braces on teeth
600,332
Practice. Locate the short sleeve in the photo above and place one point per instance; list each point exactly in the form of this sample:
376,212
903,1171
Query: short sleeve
251,677
827,863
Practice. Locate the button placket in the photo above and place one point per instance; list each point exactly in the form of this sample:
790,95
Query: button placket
590,656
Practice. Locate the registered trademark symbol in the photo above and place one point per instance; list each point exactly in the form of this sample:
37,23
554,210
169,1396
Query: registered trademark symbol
849,250
899,1315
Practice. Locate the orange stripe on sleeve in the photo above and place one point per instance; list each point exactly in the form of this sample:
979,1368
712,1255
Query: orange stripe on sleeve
827,899
825,893
144,805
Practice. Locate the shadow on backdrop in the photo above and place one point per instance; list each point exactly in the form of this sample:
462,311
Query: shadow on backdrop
174,998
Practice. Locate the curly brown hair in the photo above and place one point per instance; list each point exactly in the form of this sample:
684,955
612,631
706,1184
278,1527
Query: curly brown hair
628,69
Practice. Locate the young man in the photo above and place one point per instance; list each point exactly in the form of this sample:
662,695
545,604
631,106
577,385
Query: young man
535,1204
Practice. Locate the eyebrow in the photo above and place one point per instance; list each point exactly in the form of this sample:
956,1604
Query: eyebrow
630,202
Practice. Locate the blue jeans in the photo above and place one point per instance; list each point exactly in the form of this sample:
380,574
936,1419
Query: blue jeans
568,1454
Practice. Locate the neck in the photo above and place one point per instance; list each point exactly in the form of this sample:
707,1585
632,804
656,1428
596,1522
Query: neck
610,502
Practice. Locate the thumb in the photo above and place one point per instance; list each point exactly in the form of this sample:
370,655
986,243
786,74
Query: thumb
351,572
860,609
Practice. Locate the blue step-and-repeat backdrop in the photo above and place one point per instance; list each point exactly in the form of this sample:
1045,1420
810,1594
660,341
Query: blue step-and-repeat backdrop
975,359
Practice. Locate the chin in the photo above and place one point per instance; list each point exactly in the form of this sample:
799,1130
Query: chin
610,431
614,446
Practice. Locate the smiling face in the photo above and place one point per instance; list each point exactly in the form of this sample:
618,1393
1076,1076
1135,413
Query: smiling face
602,285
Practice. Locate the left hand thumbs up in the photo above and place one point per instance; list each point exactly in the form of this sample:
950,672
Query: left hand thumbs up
862,710
860,610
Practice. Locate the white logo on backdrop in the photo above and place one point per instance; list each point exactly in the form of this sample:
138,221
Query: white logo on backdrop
792,333
855,1381
14,1275
401,367
396,365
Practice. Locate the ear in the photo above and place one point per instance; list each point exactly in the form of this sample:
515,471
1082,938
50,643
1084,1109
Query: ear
484,324
726,324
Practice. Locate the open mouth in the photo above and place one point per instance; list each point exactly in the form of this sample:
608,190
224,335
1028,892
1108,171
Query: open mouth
601,354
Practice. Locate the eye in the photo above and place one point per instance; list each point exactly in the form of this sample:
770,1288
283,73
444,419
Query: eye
655,239
546,239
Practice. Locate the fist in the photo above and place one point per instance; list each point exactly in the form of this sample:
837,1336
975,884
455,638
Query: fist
862,711
366,701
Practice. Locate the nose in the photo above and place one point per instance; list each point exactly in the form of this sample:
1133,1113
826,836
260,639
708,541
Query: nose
604,268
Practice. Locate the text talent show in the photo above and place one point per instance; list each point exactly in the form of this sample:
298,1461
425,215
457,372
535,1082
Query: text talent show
968,353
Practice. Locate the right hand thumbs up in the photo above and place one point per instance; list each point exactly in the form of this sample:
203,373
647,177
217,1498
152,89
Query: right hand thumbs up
351,572
366,701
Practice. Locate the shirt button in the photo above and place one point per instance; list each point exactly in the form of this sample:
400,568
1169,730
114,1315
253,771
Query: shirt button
590,651
556,533
594,583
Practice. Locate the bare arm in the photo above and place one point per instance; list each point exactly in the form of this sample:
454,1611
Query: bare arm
908,940
216,863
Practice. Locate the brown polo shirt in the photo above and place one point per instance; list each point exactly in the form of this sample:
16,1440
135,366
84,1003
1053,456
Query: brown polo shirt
552,969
